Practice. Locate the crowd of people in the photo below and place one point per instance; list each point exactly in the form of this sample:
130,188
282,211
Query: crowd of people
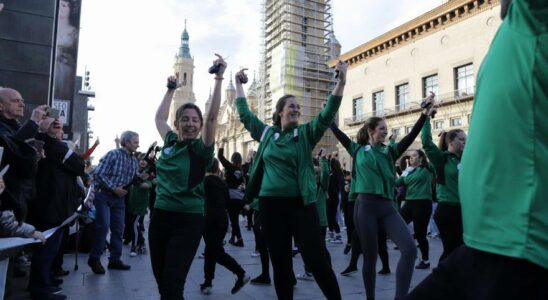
486,192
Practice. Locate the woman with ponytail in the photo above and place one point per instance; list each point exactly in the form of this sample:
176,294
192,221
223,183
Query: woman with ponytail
283,179
417,179
446,161
373,178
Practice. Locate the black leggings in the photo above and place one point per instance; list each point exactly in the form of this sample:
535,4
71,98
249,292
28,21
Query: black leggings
418,212
349,220
332,206
449,220
324,232
260,243
382,248
173,239
282,219
214,233
234,207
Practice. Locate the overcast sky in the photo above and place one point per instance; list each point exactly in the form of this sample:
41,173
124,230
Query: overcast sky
129,47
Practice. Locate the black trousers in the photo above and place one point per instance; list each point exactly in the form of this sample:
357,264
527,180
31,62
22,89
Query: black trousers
282,219
324,232
449,220
332,206
469,274
214,234
382,248
173,240
418,212
349,220
260,243
40,268
234,208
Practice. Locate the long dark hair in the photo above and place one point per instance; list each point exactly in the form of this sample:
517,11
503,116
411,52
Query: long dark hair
279,107
447,137
236,158
424,161
363,135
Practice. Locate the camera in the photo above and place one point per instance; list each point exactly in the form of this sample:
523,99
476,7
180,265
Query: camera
214,69
53,113
243,79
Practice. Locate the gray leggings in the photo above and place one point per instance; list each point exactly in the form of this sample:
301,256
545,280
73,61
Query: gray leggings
370,212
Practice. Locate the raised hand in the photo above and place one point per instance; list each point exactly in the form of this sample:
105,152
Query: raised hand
341,69
241,77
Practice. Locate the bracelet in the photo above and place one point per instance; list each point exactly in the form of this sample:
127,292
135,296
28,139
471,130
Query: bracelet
219,78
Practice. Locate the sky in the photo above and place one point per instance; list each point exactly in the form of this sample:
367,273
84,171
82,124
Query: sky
129,48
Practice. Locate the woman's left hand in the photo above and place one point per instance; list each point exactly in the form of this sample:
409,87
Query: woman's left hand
220,61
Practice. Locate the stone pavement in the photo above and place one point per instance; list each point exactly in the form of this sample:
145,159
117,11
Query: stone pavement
139,283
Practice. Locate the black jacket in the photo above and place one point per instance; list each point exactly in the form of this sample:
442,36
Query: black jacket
57,192
216,197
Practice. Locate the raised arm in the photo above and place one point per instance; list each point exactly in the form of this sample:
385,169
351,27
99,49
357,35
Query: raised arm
318,125
210,126
162,113
434,154
222,159
249,119
407,140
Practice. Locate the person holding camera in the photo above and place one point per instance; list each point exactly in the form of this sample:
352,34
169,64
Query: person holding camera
177,222
116,170
283,179
373,180
57,198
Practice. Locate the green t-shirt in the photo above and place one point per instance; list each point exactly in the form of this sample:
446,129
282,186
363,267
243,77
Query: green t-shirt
321,196
504,176
180,172
375,171
418,184
442,160
138,199
280,167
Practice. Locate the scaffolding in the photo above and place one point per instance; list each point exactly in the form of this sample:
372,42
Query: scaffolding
295,51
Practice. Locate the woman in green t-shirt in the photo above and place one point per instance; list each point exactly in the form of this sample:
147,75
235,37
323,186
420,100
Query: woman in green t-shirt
446,160
417,179
177,223
283,179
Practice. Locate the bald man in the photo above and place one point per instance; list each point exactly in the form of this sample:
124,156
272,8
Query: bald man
12,108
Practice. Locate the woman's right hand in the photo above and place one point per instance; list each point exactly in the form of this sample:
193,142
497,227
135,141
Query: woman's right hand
431,104
341,67
173,82
241,77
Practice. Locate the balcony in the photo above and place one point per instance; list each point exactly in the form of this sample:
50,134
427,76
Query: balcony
466,94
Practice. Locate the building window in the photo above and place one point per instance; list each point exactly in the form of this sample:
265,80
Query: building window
402,96
357,108
408,129
464,80
184,78
438,124
303,37
378,103
396,131
430,84
305,20
456,122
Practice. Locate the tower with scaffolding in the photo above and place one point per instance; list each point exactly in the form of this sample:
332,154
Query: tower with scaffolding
298,41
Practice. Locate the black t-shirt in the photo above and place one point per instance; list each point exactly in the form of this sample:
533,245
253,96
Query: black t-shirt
216,196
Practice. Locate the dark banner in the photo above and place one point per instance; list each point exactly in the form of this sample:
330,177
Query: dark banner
66,54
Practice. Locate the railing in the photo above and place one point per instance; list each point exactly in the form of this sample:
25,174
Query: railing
441,100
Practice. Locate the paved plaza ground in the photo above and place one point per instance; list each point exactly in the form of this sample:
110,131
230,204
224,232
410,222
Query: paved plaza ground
139,284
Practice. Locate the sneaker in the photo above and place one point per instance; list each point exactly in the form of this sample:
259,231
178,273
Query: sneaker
330,236
255,254
96,266
347,249
205,288
349,271
232,240
337,240
240,282
118,265
261,280
384,271
423,265
306,276
142,250
239,243
132,253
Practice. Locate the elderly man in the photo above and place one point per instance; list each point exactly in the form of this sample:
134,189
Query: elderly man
115,172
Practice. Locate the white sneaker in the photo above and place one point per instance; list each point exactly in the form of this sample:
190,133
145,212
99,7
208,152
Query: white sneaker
133,254
305,276
337,240
255,254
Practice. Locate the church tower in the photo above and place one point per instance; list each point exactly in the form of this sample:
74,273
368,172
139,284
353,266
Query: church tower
184,68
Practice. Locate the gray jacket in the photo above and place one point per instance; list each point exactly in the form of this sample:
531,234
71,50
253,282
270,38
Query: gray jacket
10,227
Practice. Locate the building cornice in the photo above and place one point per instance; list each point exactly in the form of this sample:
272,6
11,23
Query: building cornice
441,17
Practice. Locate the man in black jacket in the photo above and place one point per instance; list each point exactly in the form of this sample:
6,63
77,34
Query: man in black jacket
57,198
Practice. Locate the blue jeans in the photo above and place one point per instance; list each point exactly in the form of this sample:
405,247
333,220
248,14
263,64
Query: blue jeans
110,211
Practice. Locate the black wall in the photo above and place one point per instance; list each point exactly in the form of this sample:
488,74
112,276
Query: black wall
26,30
